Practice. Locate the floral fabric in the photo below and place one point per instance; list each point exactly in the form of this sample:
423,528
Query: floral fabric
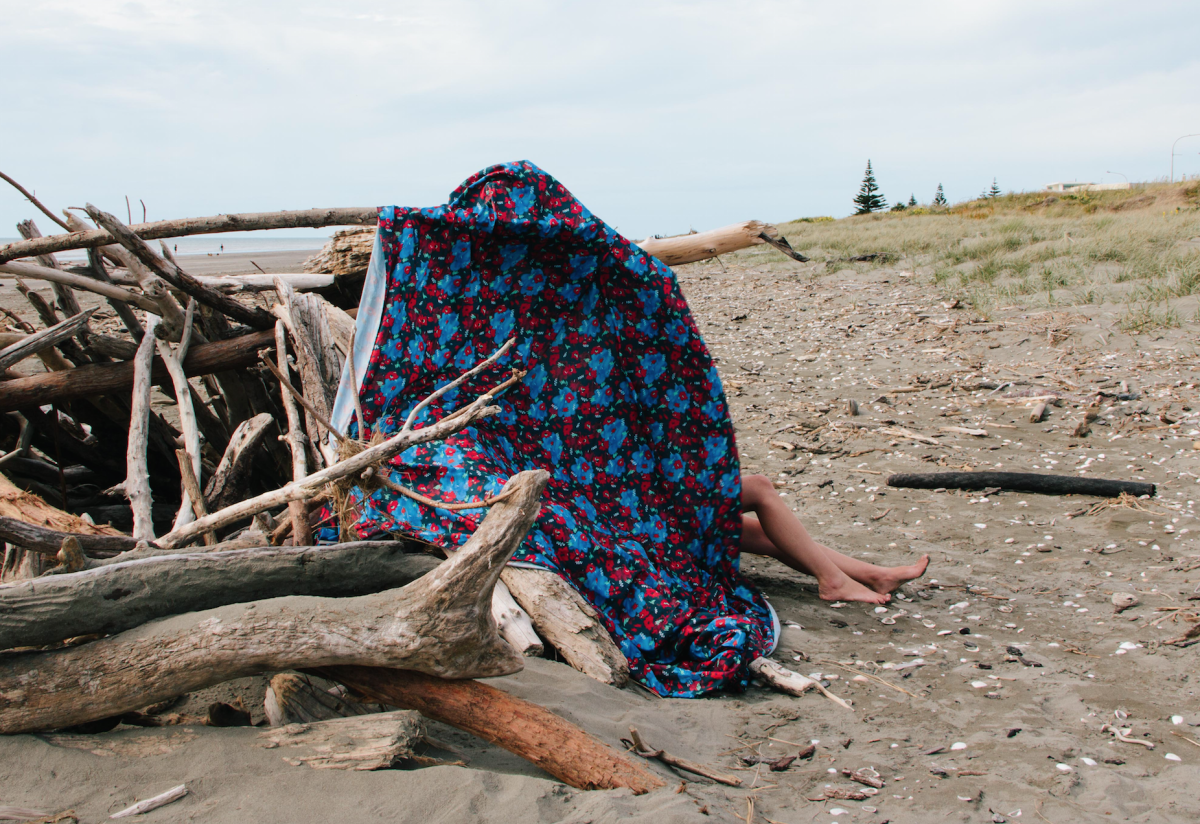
621,404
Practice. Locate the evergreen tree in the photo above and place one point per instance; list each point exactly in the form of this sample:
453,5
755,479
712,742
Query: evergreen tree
940,198
912,201
869,199
994,192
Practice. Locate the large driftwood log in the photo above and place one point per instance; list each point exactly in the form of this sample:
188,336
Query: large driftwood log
532,732
183,227
1021,482
297,510
680,249
379,741
229,480
562,617
47,541
440,624
347,254
116,597
103,378
317,360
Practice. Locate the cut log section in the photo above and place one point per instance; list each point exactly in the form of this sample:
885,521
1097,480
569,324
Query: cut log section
562,617
104,378
1022,482
292,698
367,742
527,730
116,597
229,481
681,249
105,542
441,624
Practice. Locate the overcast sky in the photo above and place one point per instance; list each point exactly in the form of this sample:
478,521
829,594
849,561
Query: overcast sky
659,116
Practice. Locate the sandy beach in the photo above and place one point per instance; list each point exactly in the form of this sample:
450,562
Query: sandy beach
979,694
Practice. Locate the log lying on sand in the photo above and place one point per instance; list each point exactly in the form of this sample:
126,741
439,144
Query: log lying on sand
441,624
182,227
123,595
532,732
103,378
37,515
366,742
680,249
1022,482
47,541
562,617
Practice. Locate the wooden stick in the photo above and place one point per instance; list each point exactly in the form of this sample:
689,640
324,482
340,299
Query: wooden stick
105,378
183,227
645,751
37,203
160,800
557,746
254,317
310,486
108,290
45,339
440,624
137,477
193,492
301,533
1022,482
228,482
115,597
680,249
793,683
187,424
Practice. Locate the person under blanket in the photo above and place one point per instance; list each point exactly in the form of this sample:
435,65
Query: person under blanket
776,532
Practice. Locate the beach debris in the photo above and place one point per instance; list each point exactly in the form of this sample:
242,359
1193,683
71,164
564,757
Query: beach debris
1122,601
842,794
1022,482
866,775
1124,734
1172,757
378,741
160,800
638,746
791,682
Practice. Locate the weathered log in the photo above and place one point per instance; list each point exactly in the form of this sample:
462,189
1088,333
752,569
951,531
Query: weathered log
137,478
298,510
229,481
102,378
32,271
317,360
680,249
188,424
27,520
252,316
45,339
379,741
67,301
1022,482
562,617
346,254
534,733
440,624
300,281
292,698
116,597
183,227
514,623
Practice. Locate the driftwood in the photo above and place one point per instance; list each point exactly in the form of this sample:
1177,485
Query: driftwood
793,683
1022,482
228,482
514,623
557,746
45,339
183,227
160,800
292,698
563,618
646,751
119,596
297,510
347,254
137,479
317,360
37,517
104,378
32,271
440,624
379,741
680,249
47,541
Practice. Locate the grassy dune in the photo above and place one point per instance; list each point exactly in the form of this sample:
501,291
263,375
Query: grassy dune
1137,248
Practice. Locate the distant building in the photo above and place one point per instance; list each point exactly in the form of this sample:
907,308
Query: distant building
1086,187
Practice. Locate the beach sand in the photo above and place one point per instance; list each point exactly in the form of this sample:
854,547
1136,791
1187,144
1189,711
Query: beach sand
943,674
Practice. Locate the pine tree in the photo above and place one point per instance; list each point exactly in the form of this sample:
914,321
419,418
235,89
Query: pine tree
869,199
994,192
940,198
912,201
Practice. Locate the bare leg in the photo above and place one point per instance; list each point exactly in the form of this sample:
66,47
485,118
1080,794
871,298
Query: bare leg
779,534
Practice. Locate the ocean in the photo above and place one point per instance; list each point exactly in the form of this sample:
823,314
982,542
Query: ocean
233,243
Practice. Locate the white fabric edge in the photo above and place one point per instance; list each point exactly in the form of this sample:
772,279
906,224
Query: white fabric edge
366,329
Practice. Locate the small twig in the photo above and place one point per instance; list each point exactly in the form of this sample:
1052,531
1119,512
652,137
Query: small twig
308,407
867,675
160,800
418,497
641,748
35,201
412,416
1185,738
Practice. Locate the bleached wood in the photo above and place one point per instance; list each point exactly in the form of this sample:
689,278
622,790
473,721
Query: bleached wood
160,800
440,624
226,484
793,683
32,271
45,339
379,741
514,623
317,359
187,423
566,621
680,249
183,227
137,474
292,698
298,510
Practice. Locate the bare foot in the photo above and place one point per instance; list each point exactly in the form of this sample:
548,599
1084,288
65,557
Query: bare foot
849,589
887,579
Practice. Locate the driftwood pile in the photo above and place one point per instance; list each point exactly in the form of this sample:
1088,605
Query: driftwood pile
154,549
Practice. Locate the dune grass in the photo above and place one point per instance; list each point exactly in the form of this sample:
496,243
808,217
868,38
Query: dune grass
1138,247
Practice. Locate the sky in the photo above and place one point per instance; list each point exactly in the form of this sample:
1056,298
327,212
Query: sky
659,116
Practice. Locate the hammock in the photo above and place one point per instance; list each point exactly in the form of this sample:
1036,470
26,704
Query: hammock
621,404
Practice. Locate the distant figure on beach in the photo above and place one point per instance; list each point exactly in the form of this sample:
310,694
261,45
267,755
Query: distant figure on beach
778,533
222,247
176,247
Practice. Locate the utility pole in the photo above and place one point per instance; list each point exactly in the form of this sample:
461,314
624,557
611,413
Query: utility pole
1173,152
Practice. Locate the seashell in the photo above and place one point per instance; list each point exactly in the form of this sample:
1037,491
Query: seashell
1006,608
929,624
1122,601
880,610
1063,767
1091,762
958,745
889,620
1172,757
